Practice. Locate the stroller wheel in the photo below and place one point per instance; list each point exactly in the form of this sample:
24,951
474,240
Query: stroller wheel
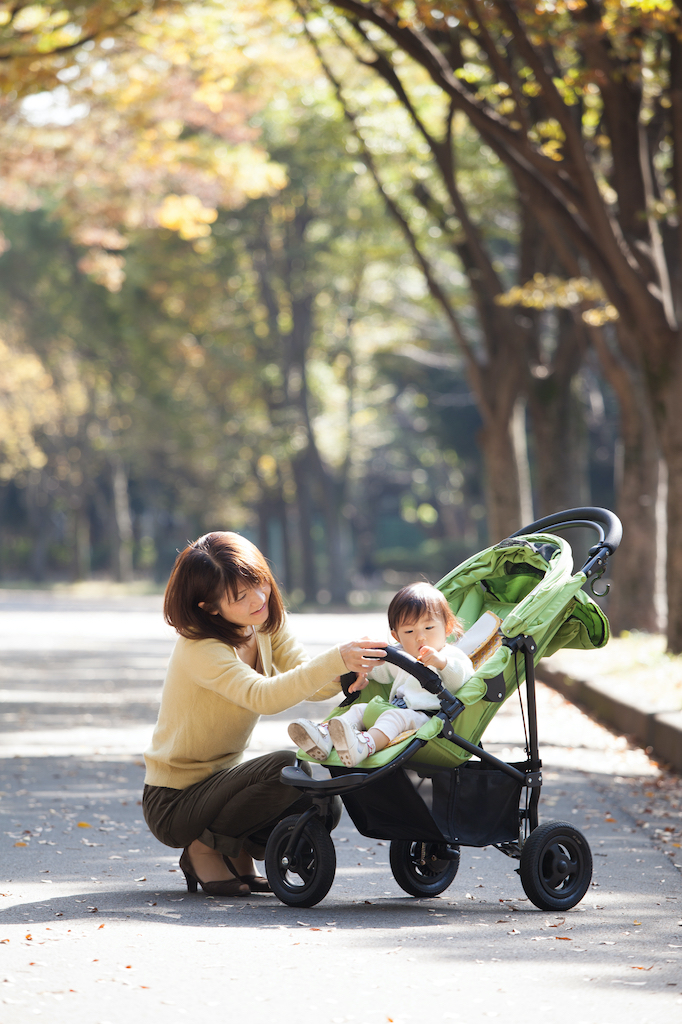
556,866
304,876
421,868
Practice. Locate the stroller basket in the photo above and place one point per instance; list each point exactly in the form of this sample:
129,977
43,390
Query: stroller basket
473,805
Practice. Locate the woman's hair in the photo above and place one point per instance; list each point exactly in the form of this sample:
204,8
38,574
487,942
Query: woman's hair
418,599
215,565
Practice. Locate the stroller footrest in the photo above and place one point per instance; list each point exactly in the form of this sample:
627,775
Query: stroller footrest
293,776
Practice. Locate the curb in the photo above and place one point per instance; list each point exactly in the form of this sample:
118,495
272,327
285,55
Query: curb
659,733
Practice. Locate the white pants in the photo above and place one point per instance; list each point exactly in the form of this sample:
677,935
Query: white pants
391,722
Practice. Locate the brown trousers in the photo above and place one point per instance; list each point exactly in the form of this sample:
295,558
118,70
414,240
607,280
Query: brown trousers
233,809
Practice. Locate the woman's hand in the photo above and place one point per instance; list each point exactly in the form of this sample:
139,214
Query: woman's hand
361,655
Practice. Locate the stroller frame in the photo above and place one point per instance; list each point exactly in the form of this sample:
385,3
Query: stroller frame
482,797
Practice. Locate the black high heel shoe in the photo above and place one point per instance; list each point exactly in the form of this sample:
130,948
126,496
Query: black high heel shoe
234,887
256,883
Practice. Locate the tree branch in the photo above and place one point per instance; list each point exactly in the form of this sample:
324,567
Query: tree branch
433,284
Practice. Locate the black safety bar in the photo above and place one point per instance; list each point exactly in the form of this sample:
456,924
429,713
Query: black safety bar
429,679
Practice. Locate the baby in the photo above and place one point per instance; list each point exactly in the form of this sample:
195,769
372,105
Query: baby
420,620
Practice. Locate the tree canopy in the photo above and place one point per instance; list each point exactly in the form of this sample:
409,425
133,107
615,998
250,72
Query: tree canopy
215,316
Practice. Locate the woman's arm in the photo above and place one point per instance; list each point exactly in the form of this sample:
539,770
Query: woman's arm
358,655
214,666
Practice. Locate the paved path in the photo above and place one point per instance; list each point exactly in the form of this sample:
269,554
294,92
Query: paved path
95,924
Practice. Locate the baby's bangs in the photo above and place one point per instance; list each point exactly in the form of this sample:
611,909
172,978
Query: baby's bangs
417,605
417,608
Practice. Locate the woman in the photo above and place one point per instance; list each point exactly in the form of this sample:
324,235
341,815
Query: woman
236,659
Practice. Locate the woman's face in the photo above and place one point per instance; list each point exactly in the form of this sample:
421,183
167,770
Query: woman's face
249,607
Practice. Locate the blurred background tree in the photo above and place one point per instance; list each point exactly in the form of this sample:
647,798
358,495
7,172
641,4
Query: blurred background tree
563,94
213,318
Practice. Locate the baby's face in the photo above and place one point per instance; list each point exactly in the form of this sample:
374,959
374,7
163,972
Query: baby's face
426,631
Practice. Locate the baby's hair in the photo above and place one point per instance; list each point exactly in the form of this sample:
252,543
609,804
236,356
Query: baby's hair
418,599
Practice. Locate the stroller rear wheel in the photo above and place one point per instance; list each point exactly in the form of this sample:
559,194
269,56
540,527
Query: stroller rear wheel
423,869
556,866
304,876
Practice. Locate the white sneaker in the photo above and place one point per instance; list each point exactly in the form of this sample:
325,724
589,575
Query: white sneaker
348,743
313,739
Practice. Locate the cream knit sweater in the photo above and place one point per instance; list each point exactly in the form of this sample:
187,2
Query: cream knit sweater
211,702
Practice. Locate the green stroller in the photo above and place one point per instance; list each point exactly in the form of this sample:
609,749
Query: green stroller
425,794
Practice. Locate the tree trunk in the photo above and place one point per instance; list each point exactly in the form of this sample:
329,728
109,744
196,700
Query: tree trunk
503,497
282,514
122,522
309,577
338,561
551,404
632,603
40,529
671,443
273,536
82,547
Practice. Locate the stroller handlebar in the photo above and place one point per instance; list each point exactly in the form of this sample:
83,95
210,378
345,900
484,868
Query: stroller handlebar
605,522
429,679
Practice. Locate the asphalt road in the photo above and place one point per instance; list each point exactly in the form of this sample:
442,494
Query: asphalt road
95,925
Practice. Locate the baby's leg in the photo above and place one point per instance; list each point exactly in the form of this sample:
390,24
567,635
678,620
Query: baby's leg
354,715
392,722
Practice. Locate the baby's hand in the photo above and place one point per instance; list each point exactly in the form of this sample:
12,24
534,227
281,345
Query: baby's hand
429,656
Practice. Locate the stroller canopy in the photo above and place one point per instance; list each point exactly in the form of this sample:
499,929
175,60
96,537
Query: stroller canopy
530,584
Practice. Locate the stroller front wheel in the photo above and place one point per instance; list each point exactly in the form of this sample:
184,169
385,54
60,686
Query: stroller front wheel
556,866
420,868
301,877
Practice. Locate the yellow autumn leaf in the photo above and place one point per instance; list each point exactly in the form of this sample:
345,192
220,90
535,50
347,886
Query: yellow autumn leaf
187,215
83,824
